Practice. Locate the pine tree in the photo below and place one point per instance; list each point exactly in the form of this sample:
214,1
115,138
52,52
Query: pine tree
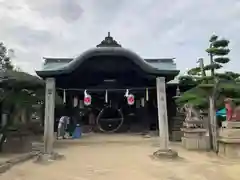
212,88
218,51
217,84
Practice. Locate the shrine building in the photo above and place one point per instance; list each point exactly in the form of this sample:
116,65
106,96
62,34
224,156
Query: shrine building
121,86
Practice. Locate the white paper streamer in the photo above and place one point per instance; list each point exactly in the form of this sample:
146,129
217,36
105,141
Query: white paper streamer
64,96
81,104
142,102
75,101
126,93
106,97
147,96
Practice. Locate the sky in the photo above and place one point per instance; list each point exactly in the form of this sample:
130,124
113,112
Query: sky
152,28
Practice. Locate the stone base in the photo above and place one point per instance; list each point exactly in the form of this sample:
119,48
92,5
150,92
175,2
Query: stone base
196,143
229,133
229,142
166,154
177,135
231,124
47,158
195,139
229,148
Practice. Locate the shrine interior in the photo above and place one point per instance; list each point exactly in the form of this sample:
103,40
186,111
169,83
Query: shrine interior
117,115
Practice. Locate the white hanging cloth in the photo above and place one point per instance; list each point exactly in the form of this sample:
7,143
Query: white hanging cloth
142,102
106,96
75,101
64,96
81,104
126,93
147,96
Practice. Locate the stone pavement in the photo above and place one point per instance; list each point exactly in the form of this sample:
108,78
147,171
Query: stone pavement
127,157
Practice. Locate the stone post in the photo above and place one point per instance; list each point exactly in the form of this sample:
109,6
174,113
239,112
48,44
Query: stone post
48,154
164,151
49,116
162,113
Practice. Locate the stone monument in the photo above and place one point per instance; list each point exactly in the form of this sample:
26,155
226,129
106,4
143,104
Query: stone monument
229,134
195,134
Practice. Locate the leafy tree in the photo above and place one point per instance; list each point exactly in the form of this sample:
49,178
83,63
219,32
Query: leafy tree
212,88
18,91
216,84
218,51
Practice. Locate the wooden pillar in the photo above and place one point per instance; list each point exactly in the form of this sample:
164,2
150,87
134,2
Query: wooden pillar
162,113
49,115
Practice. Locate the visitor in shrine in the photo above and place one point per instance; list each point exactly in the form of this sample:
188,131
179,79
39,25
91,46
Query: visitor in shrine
62,126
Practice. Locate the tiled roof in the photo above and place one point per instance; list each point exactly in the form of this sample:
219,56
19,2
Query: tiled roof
109,46
161,64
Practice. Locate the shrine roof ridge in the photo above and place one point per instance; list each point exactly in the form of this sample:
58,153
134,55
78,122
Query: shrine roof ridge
57,60
57,66
68,59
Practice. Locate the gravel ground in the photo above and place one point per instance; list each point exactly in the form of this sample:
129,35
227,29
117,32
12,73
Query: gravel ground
124,157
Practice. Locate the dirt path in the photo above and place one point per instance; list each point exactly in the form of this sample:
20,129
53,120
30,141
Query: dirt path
115,158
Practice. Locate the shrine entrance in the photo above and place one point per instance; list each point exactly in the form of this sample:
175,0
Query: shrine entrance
110,75
107,78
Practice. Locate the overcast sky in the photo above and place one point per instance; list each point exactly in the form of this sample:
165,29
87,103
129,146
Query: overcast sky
152,28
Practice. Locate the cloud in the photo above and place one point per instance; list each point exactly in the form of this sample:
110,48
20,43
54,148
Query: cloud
166,28
65,9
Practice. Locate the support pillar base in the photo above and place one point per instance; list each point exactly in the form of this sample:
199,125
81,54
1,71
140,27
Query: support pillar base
166,154
44,158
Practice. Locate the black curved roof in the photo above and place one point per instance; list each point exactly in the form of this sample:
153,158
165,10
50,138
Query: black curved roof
108,47
100,51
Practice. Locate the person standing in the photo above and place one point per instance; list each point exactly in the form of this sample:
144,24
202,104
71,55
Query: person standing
62,124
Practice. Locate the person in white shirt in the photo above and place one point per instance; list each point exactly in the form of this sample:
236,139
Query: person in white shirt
62,124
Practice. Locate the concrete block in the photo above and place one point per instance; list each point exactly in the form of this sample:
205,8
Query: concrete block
204,143
229,150
232,124
196,143
193,135
230,133
190,143
177,135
